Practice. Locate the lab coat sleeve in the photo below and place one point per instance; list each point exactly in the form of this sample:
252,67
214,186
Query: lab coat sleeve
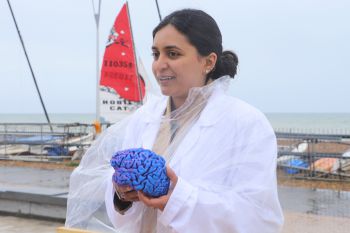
127,221
118,220
249,205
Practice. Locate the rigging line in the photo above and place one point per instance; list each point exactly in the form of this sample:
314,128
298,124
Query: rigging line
30,66
160,17
93,6
99,6
138,78
96,13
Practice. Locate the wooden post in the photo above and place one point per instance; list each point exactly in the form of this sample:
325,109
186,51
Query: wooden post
72,230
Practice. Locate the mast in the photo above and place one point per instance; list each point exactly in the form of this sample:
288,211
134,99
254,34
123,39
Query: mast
97,20
133,44
30,67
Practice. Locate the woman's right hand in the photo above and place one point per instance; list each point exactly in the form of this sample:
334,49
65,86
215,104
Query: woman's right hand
125,193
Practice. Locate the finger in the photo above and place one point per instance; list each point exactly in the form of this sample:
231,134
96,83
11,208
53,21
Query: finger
134,199
115,186
158,202
124,188
124,193
142,197
171,174
131,195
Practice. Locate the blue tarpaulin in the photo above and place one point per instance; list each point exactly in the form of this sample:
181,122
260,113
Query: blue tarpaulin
56,150
295,164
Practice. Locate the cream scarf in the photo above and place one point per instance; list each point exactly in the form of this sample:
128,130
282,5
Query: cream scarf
173,128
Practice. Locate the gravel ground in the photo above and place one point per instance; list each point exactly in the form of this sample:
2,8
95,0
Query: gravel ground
294,223
10,224
309,223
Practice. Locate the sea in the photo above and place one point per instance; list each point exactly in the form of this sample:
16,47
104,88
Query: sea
328,123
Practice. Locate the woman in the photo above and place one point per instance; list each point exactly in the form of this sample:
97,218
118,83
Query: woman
221,152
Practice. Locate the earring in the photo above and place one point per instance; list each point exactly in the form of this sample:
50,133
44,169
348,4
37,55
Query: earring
207,71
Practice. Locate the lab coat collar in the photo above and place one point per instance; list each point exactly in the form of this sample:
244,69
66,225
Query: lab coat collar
213,110
155,108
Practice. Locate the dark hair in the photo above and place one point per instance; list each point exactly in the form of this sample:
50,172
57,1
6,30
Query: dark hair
204,34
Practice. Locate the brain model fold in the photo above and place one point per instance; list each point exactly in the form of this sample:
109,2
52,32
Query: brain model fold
141,169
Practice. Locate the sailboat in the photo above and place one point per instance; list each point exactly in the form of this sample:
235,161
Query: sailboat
123,80
122,86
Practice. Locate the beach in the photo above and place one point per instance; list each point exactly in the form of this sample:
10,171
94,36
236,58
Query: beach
309,223
294,223
12,224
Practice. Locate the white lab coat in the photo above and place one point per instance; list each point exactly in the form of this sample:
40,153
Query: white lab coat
239,198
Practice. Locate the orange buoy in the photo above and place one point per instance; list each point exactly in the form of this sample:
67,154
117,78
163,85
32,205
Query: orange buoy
97,126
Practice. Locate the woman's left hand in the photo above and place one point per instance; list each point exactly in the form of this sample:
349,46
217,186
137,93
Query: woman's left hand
160,202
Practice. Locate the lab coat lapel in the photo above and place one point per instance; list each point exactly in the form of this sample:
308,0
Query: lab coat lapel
152,124
208,117
149,135
187,143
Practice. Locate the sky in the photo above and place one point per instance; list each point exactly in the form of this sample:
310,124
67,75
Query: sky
294,54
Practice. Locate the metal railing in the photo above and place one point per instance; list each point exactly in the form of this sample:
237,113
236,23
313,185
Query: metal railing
314,156
24,139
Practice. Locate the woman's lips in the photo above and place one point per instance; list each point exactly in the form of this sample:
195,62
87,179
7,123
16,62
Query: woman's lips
166,78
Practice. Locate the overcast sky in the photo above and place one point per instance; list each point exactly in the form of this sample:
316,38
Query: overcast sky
294,54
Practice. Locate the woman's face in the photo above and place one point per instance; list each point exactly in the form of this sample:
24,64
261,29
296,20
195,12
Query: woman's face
177,65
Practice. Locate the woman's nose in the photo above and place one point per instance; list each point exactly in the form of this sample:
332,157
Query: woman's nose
161,63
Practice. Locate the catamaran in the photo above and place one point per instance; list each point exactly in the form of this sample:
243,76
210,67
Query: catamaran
122,87
123,80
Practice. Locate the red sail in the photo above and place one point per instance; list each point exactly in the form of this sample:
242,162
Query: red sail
119,69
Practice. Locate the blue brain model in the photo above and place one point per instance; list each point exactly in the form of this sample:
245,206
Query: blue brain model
141,169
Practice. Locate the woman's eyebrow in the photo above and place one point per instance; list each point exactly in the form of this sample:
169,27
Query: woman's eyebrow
172,47
167,47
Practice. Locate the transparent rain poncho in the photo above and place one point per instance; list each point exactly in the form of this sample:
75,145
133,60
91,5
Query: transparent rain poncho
213,169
